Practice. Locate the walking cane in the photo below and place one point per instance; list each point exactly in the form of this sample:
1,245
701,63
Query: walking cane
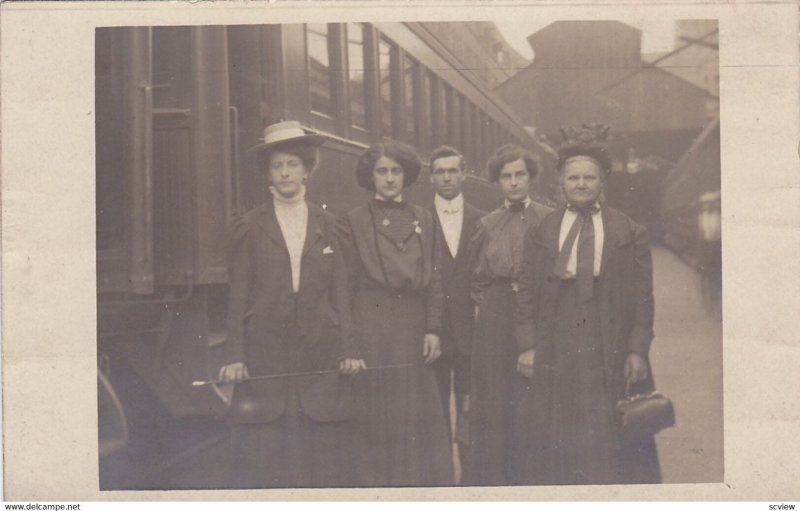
200,383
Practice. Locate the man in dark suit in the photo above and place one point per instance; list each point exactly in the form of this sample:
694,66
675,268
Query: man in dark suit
455,224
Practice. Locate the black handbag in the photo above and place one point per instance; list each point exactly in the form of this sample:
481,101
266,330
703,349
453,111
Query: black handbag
644,415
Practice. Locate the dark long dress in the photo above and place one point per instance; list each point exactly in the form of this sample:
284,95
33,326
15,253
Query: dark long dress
400,423
497,253
583,422
566,425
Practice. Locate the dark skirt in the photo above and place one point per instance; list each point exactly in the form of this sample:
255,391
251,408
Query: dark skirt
293,451
574,436
495,383
583,426
400,423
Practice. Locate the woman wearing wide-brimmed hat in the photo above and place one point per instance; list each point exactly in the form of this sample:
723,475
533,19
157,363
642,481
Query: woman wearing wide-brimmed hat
288,314
397,307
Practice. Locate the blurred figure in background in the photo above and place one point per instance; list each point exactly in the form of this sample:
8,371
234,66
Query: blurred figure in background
709,223
496,262
456,222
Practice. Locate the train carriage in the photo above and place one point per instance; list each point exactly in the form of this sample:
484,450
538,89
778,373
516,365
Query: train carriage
176,107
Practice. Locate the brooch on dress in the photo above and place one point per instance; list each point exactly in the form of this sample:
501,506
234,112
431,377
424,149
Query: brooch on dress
417,228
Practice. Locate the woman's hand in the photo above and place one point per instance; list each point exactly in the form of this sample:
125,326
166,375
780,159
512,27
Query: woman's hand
635,368
525,363
352,366
431,348
233,373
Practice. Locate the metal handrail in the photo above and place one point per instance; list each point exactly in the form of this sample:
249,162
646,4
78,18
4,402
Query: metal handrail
235,171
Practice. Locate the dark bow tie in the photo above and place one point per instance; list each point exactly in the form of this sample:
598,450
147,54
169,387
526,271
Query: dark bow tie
516,207
390,204
583,210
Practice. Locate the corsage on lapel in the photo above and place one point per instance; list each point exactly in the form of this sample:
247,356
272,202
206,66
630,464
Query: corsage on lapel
327,250
417,228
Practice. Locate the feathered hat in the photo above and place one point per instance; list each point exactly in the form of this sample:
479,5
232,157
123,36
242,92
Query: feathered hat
587,141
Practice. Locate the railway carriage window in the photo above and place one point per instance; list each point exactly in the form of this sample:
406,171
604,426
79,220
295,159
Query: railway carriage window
475,134
355,65
488,144
495,138
467,125
463,130
437,111
422,110
453,117
490,141
480,139
317,41
409,73
477,139
172,70
483,141
385,77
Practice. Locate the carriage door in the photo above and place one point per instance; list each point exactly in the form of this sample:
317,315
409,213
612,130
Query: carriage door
172,155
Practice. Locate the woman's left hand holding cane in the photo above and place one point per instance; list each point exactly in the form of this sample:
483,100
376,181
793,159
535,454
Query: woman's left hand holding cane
352,366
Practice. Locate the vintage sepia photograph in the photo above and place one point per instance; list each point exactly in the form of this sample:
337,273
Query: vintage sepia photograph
417,254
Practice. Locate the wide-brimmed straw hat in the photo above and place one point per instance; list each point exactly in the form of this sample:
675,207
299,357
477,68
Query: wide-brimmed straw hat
286,131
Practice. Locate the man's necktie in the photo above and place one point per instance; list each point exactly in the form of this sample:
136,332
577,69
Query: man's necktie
516,207
585,264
